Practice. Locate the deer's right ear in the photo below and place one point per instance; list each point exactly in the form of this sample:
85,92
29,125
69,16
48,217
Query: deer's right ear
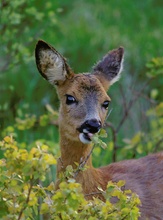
51,64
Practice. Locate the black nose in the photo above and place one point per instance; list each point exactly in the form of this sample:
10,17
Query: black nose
93,125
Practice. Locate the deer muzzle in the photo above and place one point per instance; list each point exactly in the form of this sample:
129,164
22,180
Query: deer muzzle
88,129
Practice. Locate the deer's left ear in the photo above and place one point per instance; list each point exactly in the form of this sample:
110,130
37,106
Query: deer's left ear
109,68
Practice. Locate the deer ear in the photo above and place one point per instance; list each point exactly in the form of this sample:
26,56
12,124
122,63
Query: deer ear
51,64
109,68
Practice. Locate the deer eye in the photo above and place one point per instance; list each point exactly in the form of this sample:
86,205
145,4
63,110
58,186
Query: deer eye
105,104
70,100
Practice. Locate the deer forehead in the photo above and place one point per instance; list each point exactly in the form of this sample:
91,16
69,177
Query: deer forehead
83,86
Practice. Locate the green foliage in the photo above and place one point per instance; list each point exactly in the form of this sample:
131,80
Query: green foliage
69,203
21,173
22,23
155,67
26,100
26,122
17,19
97,141
24,196
152,141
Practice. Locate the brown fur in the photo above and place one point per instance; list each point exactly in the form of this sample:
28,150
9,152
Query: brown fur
143,176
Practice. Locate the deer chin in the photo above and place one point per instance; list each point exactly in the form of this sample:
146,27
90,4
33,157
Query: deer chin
85,138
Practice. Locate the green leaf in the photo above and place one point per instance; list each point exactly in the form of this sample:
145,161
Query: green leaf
103,133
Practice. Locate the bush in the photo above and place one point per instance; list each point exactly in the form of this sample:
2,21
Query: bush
23,194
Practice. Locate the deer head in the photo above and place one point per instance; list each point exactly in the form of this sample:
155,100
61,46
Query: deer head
83,97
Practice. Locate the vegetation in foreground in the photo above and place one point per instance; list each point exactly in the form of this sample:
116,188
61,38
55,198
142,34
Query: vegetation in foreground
28,110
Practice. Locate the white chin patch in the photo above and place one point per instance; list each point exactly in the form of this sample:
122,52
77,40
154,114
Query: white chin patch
83,139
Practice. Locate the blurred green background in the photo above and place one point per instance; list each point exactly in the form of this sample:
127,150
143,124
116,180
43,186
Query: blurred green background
83,31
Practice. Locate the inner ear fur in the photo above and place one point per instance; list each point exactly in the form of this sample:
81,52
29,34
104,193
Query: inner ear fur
109,68
51,64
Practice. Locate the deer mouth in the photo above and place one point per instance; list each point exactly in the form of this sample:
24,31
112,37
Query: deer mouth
88,129
85,136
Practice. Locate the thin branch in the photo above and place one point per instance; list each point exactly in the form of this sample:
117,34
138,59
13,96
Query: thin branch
130,104
5,66
126,216
127,109
27,200
54,123
82,163
93,193
114,135
152,101
158,144
123,98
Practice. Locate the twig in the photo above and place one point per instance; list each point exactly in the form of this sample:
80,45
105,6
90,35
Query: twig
124,99
82,163
114,135
54,123
93,193
130,104
158,144
27,200
152,101
127,109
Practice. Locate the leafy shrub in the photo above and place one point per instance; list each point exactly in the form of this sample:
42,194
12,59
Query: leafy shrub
23,194
155,67
143,143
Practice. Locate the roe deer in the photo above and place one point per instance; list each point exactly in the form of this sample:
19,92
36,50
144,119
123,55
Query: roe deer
83,109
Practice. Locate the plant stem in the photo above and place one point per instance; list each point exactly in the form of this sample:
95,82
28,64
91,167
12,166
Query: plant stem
82,164
27,200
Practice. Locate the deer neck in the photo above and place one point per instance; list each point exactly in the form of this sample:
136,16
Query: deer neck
74,152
